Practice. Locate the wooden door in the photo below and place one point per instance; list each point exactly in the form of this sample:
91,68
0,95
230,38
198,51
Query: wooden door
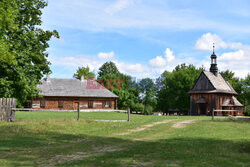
203,109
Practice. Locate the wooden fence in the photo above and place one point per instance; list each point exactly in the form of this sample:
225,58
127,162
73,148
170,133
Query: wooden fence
224,111
6,109
78,111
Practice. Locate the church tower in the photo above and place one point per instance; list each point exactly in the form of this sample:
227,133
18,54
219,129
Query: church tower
214,68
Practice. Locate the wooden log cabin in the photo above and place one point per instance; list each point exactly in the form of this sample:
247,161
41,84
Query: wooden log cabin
66,94
211,91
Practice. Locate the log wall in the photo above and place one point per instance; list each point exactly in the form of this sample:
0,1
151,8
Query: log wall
214,101
71,103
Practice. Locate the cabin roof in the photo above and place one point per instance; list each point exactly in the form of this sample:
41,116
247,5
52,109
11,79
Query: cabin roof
232,102
219,85
72,88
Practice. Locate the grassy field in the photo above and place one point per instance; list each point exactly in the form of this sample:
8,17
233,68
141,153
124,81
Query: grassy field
57,139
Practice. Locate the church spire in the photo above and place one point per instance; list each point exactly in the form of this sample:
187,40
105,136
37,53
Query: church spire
214,68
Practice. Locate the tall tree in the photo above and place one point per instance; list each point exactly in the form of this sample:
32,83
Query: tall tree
147,88
174,87
23,44
108,68
235,82
85,72
120,84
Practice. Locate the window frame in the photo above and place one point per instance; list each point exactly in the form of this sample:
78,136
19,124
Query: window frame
90,104
107,104
60,103
42,104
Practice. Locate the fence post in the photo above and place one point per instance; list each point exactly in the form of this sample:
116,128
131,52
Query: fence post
12,117
212,114
128,114
3,110
78,111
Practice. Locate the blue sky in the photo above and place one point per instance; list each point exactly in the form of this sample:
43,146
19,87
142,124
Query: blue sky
145,37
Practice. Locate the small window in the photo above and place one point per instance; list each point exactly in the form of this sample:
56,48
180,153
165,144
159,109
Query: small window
90,104
60,104
107,104
42,104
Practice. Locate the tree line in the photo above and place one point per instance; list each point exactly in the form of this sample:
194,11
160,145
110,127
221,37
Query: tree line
168,92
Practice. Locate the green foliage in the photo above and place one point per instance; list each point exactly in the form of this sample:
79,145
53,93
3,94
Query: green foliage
108,68
241,86
147,90
118,83
148,110
174,86
246,89
83,71
137,107
23,44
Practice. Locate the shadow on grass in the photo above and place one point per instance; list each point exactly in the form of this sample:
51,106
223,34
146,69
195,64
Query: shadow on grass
36,148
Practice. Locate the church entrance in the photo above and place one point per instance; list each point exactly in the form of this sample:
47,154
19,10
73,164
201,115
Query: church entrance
203,109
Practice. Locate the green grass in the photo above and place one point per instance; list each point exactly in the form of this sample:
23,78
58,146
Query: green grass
57,139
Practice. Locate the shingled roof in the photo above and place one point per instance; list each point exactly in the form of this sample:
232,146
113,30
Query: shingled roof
210,83
72,88
232,102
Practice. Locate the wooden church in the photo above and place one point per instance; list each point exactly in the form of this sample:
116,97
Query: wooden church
211,91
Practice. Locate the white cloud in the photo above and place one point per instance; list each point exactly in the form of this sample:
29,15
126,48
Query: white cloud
132,69
118,6
233,56
237,60
158,61
103,55
169,55
71,63
206,42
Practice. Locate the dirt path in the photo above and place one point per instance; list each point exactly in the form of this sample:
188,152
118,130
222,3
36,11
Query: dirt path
96,151
144,127
182,124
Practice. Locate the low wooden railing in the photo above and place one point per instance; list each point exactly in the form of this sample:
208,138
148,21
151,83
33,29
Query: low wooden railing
227,111
78,110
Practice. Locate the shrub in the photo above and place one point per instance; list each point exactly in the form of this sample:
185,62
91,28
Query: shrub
137,107
148,110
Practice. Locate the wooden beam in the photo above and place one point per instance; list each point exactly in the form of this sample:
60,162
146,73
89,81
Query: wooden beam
83,110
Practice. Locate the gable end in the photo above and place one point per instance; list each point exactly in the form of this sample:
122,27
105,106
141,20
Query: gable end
203,83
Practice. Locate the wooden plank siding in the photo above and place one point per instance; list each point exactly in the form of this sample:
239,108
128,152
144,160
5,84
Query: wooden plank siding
214,101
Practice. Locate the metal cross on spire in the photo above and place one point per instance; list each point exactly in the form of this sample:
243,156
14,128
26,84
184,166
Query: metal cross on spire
213,48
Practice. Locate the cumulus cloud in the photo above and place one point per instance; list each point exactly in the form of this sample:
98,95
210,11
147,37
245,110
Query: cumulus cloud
205,42
71,63
103,55
160,61
169,55
237,60
127,68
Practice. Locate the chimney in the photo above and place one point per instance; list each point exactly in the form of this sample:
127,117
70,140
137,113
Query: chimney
48,77
82,78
